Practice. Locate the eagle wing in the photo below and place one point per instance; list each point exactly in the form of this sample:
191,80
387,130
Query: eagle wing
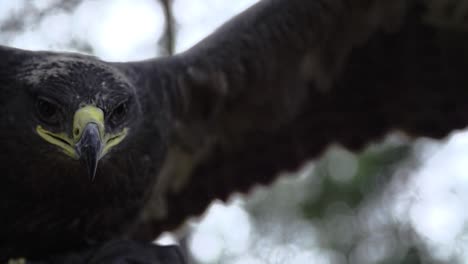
276,85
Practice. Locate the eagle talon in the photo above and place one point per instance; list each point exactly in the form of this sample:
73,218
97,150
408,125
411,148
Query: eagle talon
17,261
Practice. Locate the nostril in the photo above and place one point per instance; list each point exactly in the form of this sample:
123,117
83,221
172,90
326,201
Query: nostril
76,132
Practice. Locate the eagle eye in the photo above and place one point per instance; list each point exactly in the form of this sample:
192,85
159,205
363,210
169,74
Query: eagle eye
119,113
47,111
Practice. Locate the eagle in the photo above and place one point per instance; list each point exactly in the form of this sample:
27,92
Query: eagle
94,153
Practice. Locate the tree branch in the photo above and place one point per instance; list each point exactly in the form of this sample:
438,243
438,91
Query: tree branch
167,41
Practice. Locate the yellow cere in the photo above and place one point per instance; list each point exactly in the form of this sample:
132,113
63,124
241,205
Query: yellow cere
85,115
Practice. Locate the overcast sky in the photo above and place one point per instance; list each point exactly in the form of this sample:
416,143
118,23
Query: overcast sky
116,29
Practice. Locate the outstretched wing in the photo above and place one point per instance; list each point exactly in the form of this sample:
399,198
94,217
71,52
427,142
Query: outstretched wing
283,80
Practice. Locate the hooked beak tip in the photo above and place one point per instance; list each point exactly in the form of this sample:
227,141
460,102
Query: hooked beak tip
89,149
92,168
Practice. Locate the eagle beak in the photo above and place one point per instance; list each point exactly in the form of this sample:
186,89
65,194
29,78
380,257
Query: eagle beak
88,132
89,148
